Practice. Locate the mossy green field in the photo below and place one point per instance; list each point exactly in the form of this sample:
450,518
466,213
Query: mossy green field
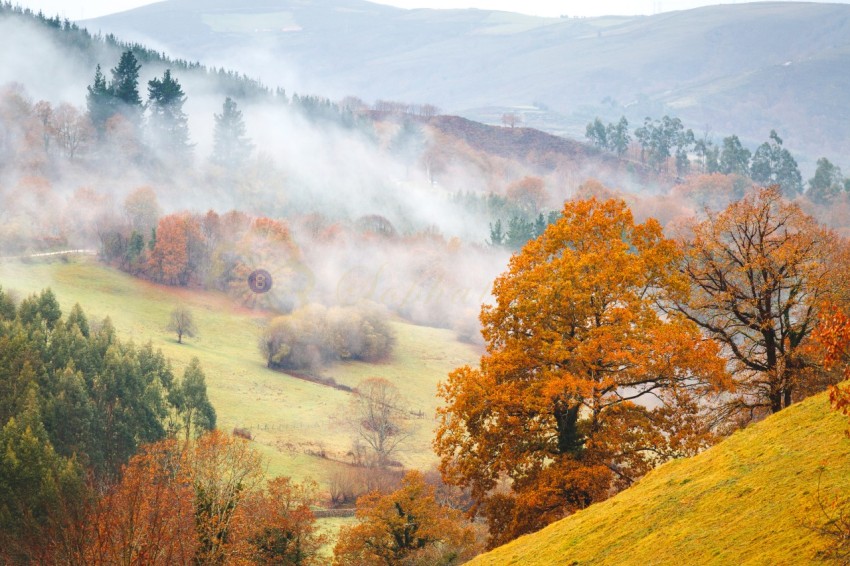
290,418
747,500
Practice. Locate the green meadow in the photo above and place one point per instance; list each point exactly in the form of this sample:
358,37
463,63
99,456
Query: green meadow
292,420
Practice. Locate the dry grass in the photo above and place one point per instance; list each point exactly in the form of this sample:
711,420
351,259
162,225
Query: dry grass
745,501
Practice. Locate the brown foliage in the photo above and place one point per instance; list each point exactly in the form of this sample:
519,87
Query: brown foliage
585,386
529,193
833,335
758,272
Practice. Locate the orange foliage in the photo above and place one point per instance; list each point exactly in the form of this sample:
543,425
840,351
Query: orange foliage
148,518
407,526
833,334
170,260
594,189
585,386
282,526
713,191
199,503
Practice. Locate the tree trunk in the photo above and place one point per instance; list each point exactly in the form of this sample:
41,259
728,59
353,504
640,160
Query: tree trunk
569,440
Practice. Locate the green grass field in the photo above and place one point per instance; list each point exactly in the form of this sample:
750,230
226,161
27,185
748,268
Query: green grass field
289,417
744,501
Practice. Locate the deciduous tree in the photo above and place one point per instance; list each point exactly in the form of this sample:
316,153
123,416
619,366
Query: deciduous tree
406,527
758,271
585,385
772,164
177,250
182,322
282,529
378,416
148,517
225,471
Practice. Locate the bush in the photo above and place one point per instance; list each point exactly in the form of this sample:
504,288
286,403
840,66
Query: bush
315,335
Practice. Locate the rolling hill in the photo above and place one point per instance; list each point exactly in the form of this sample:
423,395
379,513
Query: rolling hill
743,68
293,421
744,501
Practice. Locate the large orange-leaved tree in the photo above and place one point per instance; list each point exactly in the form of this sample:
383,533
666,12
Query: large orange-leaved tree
585,385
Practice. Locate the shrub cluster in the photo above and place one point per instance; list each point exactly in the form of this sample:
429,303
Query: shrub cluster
315,335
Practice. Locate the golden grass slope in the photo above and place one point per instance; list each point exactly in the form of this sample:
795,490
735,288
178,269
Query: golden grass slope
745,501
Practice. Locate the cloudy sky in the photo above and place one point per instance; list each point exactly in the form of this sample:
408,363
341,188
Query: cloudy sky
81,9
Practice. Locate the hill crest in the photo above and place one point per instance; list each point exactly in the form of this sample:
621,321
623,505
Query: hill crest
743,68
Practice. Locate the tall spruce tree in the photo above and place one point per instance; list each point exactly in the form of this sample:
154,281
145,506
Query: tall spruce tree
125,87
231,146
100,102
169,125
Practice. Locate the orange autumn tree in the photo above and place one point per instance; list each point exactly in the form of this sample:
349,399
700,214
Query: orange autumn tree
198,502
175,256
407,526
149,516
584,386
283,529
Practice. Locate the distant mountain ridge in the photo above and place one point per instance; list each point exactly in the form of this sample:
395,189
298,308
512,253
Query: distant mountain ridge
743,68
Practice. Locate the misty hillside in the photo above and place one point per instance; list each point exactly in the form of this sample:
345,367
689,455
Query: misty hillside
742,68
744,501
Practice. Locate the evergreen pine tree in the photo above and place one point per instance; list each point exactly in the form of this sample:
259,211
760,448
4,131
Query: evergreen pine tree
125,87
168,123
231,147
100,102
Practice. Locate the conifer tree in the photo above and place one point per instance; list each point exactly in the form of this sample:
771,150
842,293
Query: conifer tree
231,146
168,123
100,102
125,80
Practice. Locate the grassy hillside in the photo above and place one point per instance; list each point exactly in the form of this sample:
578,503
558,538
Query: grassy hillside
289,417
742,502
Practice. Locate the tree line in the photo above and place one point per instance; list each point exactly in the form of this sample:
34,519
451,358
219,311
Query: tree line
770,164
106,457
76,403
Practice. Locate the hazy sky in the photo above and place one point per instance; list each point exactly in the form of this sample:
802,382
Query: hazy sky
82,9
